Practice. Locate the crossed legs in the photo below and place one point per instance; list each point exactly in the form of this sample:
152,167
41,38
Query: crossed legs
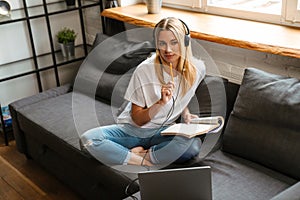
113,145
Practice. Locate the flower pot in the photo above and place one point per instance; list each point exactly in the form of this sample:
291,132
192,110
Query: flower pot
153,6
68,50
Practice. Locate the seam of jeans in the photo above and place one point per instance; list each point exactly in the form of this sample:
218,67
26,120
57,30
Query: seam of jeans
125,162
152,156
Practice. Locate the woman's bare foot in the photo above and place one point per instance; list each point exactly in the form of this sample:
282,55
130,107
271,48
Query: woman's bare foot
139,156
137,149
141,152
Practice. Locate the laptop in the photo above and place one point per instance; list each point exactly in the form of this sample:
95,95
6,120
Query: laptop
183,183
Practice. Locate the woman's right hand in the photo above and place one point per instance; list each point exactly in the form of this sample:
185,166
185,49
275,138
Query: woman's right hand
167,92
142,115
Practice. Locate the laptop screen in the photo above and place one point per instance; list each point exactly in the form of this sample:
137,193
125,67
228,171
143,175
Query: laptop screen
183,183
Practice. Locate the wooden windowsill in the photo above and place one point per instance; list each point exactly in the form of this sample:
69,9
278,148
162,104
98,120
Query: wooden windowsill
264,37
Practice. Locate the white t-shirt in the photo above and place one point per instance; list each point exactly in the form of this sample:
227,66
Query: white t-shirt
144,90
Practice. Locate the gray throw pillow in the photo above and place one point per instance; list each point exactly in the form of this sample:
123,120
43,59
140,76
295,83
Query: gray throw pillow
108,67
264,125
210,97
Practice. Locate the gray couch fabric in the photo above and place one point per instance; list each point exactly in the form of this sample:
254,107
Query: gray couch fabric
236,178
264,125
15,106
292,193
109,67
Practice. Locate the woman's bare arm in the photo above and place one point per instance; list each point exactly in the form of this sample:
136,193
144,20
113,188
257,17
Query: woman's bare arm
187,116
141,115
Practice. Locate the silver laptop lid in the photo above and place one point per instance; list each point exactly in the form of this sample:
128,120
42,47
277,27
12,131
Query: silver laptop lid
183,183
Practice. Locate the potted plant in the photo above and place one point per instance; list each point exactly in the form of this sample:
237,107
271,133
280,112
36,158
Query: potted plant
66,38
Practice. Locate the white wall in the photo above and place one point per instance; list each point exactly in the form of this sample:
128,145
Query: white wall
129,2
15,46
232,61
16,4
93,23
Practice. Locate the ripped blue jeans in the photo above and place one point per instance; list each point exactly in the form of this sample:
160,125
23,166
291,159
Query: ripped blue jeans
111,144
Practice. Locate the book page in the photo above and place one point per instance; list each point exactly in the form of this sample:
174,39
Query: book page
198,126
207,120
189,130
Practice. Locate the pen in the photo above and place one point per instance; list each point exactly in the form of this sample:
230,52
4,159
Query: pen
171,71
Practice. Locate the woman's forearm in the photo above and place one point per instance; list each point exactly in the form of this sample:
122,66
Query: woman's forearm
141,116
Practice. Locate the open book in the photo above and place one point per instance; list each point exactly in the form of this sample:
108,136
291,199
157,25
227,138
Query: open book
198,126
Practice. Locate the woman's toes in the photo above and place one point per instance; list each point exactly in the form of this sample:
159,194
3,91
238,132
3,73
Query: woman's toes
138,149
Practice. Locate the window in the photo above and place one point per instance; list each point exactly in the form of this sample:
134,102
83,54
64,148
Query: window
274,11
261,6
183,3
292,11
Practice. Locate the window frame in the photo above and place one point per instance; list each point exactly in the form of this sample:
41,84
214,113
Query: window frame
289,16
292,11
183,4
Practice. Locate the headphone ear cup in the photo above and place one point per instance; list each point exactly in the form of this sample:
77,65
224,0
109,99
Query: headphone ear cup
186,40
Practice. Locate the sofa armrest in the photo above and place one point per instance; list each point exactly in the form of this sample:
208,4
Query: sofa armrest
291,193
54,92
15,106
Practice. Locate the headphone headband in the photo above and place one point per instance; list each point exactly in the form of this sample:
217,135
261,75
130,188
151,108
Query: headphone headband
187,32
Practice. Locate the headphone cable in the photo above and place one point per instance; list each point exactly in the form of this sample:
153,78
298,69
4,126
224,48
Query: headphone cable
161,126
169,113
127,188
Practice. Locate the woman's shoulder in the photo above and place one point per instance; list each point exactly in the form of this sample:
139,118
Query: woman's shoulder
199,65
146,64
149,60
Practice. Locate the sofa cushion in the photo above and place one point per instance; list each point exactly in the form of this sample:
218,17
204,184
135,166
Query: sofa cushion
115,78
210,97
112,88
209,100
65,122
292,192
15,106
51,130
237,178
109,64
264,125
131,53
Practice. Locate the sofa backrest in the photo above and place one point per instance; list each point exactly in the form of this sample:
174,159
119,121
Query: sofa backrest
264,125
214,96
106,71
210,97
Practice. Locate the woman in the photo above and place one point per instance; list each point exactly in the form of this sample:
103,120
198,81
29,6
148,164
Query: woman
158,93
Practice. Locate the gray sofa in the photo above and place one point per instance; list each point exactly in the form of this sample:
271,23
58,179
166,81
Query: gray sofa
259,158
256,157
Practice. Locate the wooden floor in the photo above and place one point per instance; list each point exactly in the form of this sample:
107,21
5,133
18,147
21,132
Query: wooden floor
21,178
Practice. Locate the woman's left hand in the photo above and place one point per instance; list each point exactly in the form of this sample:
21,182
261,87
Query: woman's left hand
188,117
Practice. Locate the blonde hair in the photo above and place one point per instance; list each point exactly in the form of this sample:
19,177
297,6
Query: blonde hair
185,67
